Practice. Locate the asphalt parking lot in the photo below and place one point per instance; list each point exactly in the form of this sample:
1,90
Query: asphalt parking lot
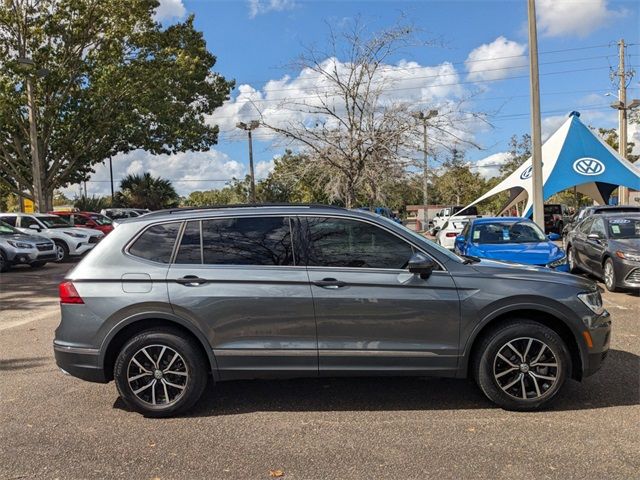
55,426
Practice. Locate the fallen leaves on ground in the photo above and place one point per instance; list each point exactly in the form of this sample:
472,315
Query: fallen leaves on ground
276,473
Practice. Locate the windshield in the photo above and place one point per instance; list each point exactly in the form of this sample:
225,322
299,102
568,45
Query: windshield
53,221
508,232
620,228
101,219
6,229
443,250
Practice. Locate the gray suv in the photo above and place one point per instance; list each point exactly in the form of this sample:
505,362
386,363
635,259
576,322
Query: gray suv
172,298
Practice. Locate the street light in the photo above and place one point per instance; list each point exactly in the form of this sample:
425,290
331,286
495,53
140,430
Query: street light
424,117
248,127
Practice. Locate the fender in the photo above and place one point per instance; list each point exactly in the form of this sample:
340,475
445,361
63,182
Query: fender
506,305
162,315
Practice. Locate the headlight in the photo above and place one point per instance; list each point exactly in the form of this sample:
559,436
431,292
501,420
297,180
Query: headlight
19,244
75,235
556,263
593,300
634,257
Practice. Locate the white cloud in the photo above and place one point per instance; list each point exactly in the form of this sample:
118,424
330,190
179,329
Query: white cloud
489,166
488,60
188,171
169,10
264,168
259,7
551,124
420,86
570,17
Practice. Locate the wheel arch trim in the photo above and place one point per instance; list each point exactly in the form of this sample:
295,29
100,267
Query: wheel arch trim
166,317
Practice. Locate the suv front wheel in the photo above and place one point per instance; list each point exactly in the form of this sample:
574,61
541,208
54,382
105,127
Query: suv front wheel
160,373
521,365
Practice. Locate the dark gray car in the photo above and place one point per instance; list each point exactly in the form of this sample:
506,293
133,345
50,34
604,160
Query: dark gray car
171,298
607,246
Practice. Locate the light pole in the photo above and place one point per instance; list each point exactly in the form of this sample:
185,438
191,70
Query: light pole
536,135
111,179
252,125
623,116
424,117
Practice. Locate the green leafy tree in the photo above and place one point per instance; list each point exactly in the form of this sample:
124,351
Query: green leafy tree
107,79
458,184
145,191
92,204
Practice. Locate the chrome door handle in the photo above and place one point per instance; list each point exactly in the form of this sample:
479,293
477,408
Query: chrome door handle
331,283
191,281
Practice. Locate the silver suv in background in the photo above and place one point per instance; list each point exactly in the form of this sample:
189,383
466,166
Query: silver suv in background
17,248
69,241
173,298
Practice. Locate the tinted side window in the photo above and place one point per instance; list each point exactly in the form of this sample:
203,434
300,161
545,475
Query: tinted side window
247,241
586,225
26,222
334,242
9,220
465,230
78,220
189,251
156,243
598,227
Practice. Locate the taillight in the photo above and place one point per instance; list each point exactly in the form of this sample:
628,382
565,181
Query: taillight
451,234
68,293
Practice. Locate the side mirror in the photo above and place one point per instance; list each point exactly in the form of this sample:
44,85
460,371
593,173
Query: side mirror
460,239
554,236
594,236
420,264
35,227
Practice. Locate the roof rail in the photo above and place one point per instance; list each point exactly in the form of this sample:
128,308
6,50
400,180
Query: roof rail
239,205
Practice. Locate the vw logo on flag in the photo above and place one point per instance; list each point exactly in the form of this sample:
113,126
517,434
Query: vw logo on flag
526,173
588,166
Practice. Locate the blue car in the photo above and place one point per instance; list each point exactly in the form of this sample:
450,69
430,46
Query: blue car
511,239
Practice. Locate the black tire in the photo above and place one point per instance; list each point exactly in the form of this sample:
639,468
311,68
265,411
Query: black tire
4,263
62,251
487,365
610,282
191,362
37,264
571,260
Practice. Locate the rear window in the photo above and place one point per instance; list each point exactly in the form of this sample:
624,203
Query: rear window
156,243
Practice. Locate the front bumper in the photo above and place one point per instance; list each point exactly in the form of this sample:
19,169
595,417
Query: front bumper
81,248
627,273
600,333
26,256
83,363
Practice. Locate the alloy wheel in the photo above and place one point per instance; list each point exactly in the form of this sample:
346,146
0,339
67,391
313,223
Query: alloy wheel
608,275
157,375
526,368
59,252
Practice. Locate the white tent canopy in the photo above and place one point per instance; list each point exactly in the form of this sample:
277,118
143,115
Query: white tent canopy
573,156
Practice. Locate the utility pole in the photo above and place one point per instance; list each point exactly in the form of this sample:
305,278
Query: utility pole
248,127
623,114
537,189
111,178
424,117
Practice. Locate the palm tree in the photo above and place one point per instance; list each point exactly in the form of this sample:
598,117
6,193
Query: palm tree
145,191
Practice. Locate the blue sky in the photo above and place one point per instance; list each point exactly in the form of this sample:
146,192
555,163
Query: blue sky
255,40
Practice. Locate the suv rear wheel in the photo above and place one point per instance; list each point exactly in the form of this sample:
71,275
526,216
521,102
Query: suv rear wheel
160,373
521,365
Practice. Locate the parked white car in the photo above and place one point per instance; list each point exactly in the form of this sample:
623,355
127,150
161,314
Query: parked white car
446,236
445,213
70,241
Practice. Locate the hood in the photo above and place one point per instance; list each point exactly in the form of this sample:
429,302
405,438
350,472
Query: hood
631,245
24,237
539,253
515,271
82,231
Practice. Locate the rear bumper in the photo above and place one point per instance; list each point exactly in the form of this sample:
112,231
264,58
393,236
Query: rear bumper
83,363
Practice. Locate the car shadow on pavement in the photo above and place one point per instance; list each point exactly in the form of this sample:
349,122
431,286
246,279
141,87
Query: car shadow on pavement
616,384
22,363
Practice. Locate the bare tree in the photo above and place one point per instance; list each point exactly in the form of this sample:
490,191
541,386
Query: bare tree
352,132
